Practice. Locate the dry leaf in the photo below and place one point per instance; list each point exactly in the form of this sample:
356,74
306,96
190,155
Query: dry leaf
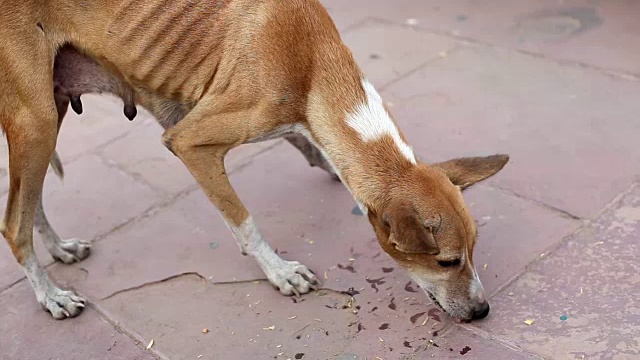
205,331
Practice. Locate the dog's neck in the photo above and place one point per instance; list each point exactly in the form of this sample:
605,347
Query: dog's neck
358,135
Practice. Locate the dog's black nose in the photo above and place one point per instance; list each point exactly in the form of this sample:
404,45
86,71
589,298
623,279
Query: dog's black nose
481,312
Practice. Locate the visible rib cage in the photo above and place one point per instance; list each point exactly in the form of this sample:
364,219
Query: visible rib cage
165,42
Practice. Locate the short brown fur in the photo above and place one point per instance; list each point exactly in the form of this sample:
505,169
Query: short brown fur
217,74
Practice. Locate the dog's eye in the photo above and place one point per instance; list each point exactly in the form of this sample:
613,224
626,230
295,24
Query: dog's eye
450,263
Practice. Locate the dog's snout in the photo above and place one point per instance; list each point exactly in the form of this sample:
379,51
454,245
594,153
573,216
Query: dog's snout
481,311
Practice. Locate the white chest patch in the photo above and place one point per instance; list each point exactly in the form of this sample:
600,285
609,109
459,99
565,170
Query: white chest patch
371,121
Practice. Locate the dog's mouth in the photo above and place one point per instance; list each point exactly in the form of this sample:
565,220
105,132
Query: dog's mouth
454,318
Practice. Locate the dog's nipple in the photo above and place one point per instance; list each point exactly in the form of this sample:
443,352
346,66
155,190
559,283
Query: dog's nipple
130,111
76,104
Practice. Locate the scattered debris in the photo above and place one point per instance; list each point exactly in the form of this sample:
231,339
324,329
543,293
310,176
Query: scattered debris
485,266
375,282
199,356
350,292
564,317
433,314
387,270
510,294
409,288
392,305
407,344
299,355
272,327
150,344
374,56
415,317
598,243
412,22
205,331
443,54
213,245
349,268
384,326
360,327
317,320
292,317
529,321
380,339
425,323
465,350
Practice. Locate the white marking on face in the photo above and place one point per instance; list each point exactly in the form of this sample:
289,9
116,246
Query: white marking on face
371,121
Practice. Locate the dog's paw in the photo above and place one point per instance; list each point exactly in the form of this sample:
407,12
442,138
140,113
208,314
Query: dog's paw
60,303
70,251
292,278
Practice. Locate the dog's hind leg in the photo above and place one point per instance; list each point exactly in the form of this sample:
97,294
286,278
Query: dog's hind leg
30,121
66,251
313,155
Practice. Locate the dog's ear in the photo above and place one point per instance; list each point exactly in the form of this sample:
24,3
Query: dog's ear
465,172
408,233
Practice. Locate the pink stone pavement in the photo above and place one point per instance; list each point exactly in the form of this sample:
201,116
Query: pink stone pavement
556,84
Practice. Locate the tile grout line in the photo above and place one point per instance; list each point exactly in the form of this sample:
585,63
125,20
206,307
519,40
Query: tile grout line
549,250
612,73
563,213
138,340
423,65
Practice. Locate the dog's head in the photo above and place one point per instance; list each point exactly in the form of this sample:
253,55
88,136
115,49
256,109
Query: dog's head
426,227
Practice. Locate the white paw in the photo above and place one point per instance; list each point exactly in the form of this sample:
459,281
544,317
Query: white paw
60,303
70,251
292,278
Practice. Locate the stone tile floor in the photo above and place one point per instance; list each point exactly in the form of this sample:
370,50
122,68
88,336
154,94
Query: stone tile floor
553,83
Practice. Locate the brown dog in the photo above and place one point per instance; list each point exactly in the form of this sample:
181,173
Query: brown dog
217,74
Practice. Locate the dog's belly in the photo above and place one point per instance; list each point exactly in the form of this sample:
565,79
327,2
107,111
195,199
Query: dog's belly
168,47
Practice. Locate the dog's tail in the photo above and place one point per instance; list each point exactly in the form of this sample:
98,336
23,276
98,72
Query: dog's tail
56,165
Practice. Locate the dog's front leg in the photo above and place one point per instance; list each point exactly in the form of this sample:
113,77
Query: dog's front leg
201,141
